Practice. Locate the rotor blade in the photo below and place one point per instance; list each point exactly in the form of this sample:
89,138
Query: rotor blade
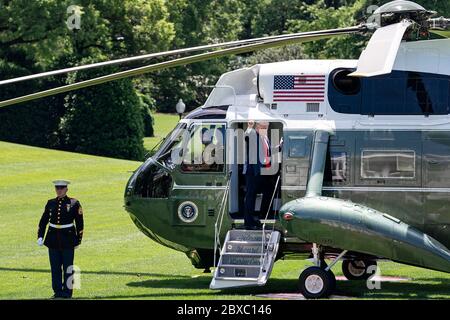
306,37
379,56
150,56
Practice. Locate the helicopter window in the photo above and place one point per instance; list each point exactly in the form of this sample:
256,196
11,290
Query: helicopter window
172,140
204,152
153,183
297,147
391,164
336,169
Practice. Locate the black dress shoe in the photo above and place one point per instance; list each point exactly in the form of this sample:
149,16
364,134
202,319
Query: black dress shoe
253,228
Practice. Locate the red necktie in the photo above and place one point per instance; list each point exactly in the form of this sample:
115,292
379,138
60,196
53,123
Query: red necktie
266,153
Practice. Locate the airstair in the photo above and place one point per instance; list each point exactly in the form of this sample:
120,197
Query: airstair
247,256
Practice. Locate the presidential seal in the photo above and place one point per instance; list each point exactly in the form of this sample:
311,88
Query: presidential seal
188,212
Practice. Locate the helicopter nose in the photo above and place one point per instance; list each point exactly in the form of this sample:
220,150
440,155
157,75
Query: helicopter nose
130,188
149,181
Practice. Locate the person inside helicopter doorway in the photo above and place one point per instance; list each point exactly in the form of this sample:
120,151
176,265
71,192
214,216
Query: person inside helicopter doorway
260,174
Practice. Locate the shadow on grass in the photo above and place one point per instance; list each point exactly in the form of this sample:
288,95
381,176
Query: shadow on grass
419,288
101,272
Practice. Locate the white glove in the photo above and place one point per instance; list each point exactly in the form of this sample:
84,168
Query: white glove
40,242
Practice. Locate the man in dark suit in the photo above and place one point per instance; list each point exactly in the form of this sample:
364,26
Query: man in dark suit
256,170
63,236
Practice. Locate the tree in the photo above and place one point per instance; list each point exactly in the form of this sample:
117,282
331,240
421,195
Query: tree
31,36
119,28
291,52
196,22
34,38
322,17
106,120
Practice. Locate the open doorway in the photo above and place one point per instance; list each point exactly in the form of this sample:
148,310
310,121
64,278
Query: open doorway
268,196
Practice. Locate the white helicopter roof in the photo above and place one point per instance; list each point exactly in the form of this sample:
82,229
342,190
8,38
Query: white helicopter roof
277,82
251,93
277,85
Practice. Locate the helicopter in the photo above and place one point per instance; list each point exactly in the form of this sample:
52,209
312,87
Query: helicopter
363,170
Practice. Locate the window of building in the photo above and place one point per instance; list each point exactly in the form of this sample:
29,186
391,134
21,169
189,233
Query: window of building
388,164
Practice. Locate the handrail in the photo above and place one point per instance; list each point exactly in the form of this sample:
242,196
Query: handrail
217,226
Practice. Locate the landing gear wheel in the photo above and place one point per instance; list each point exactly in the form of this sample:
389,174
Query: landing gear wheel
358,269
316,283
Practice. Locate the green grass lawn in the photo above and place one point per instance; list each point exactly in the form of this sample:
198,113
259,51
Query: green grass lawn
116,260
164,123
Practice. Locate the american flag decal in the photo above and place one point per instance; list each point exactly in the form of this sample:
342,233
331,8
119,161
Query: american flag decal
303,88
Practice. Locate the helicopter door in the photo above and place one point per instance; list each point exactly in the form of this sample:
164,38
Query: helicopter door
200,179
295,164
237,142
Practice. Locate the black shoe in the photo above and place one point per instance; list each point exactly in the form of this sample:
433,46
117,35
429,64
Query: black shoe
56,296
253,228
66,296
258,225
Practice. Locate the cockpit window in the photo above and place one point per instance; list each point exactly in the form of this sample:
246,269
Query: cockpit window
204,149
171,141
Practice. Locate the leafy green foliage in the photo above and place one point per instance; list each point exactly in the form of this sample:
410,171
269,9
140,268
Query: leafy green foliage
34,37
322,17
197,22
106,120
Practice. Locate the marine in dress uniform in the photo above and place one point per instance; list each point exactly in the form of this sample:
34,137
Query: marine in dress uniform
64,216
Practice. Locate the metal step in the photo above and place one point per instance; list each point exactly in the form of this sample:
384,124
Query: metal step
245,254
246,259
247,247
265,221
248,235
242,271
